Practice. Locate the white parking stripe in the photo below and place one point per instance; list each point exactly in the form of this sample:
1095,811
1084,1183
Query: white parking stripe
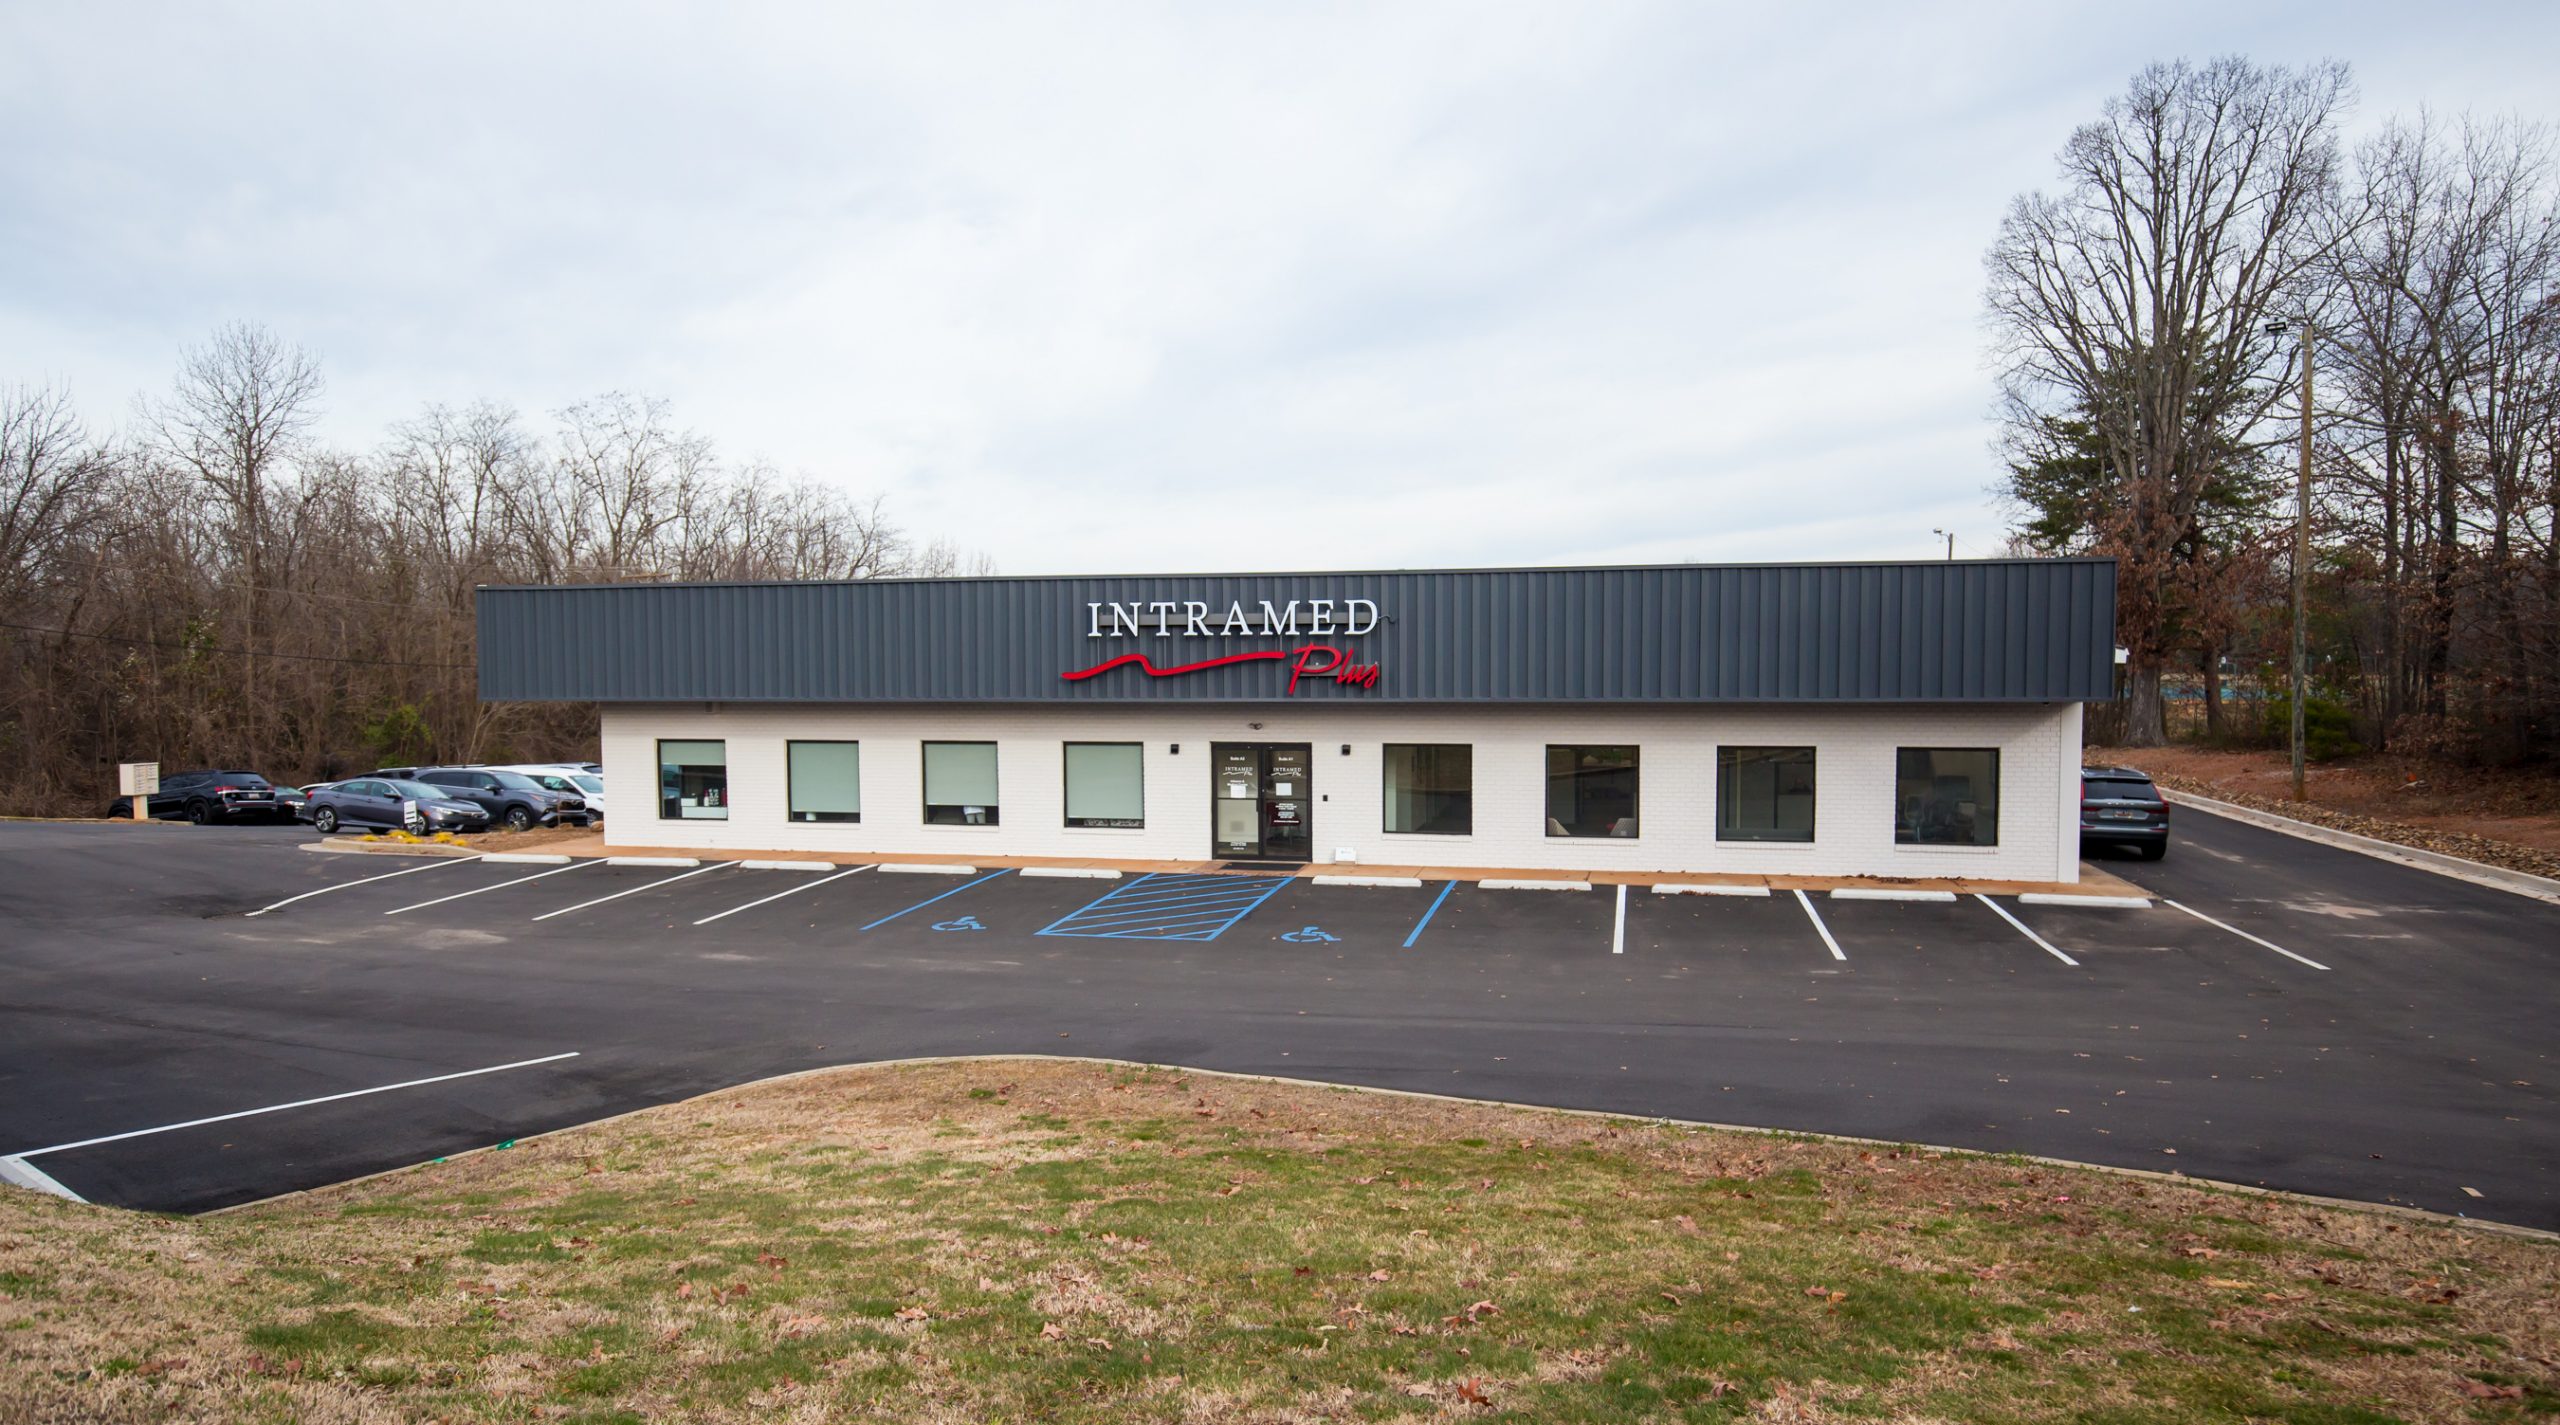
1618,932
635,890
2047,945
297,1103
795,890
1815,916
502,885
437,865
2236,930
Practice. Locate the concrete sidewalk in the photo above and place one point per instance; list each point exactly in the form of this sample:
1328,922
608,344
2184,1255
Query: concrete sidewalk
2094,883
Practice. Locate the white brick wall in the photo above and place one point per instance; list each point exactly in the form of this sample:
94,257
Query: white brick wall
1853,820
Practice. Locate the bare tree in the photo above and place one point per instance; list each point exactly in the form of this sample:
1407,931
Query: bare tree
52,483
2133,302
240,403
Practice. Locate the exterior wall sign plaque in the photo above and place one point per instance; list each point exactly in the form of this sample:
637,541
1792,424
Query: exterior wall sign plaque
1194,618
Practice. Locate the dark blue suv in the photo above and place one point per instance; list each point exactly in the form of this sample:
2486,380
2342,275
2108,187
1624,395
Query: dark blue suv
2120,807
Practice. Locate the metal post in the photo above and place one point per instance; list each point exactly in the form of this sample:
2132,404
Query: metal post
2301,559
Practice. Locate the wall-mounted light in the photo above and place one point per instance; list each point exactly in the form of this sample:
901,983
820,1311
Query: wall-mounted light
1346,749
1177,749
1255,726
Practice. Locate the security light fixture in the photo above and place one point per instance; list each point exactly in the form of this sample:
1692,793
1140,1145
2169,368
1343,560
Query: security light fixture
1346,749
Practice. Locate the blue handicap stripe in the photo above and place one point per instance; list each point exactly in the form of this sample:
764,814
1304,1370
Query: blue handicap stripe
919,905
1445,889
1162,906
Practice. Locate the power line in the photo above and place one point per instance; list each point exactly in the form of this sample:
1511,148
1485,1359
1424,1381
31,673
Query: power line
234,652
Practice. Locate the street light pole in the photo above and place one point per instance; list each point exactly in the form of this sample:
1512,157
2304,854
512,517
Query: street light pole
2301,559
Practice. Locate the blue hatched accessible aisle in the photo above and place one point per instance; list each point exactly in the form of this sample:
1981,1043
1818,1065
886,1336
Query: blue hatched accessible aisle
1170,906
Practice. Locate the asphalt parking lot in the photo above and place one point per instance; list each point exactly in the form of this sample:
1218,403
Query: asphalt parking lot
2283,1013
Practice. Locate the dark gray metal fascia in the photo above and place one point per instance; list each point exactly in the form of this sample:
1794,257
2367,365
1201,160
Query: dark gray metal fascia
1933,631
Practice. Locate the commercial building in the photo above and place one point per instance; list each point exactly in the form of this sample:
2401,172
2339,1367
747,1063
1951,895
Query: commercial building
1895,720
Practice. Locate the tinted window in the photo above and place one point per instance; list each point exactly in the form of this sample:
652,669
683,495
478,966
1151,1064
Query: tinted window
446,779
362,789
419,790
513,781
1591,791
1764,794
960,784
693,778
1430,788
1947,796
2119,788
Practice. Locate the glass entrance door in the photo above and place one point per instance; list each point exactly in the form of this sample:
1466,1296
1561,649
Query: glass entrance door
1261,801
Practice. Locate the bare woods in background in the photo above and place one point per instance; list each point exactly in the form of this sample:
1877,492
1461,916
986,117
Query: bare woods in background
2147,319
212,587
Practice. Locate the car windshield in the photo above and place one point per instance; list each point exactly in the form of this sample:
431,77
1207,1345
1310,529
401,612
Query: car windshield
421,791
553,782
586,783
517,782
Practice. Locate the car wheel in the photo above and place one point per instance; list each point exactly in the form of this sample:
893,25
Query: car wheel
519,818
2155,851
198,813
326,819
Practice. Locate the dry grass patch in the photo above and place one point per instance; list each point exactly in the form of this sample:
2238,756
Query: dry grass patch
1054,1241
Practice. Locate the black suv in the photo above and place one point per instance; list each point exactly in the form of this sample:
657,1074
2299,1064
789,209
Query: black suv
2120,807
512,799
203,797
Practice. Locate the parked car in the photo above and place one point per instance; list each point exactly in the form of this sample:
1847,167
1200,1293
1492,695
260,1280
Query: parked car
378,801
566,777
293,800
2120,807
203,797
512,799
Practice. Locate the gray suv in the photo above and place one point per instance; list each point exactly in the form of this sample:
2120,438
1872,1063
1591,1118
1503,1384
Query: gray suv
2120,807
512,799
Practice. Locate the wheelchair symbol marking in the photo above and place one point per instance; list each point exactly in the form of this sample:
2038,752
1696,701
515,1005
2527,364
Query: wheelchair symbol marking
1308,936
966,922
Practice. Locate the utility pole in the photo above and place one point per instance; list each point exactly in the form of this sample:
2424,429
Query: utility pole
2301,559
1951,543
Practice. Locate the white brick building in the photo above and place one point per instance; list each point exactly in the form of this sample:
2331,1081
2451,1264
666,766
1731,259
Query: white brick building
1876,720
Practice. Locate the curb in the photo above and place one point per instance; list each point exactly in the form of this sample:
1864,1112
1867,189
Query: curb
2440,1219
1506,885
387,848
1857,893
1699,888
2522,883
1388,882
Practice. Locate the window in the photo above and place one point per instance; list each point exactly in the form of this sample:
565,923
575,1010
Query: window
1947,796
1106,784
1591,791
960,784
826,780
1764,794
1430,788
693,781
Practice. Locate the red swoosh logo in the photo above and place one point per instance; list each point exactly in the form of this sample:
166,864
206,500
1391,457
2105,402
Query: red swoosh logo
1153,671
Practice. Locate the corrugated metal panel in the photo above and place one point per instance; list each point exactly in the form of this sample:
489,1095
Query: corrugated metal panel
1993,630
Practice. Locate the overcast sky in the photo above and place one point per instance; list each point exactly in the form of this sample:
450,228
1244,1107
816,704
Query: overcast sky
1093,288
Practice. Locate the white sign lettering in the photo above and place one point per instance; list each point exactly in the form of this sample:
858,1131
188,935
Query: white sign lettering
1193,618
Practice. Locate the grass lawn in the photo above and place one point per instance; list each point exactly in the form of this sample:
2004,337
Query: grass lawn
1036,1240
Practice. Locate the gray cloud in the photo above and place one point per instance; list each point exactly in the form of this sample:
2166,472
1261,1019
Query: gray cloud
1181,287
